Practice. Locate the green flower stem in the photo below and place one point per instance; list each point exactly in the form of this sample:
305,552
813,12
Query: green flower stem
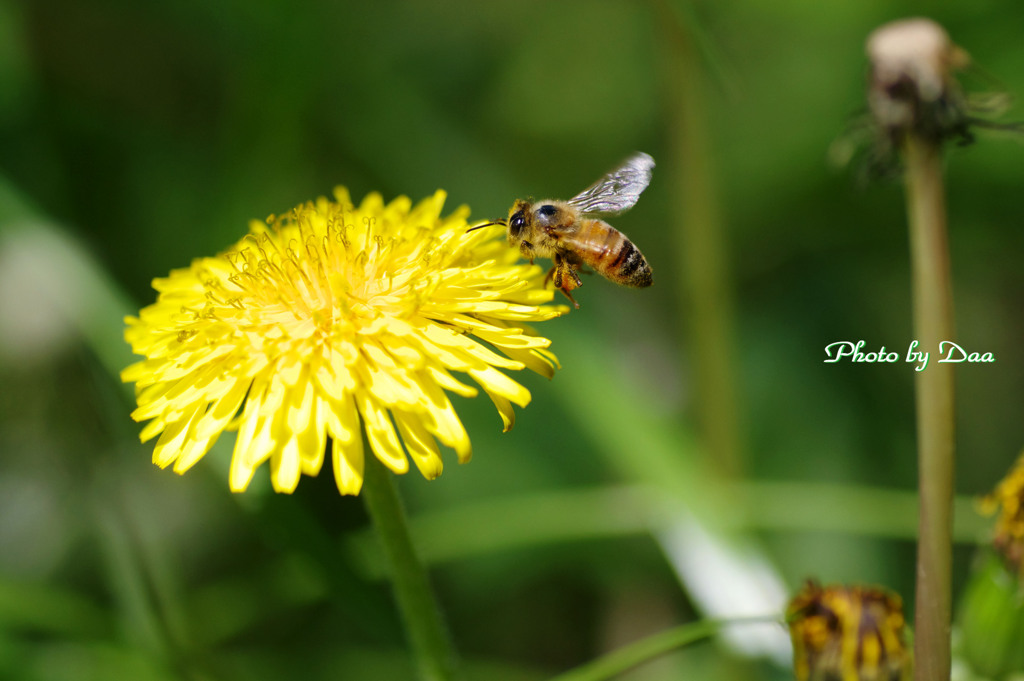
933,323
646,649
432,648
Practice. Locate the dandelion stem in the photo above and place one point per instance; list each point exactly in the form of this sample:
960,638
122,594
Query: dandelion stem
424,623
933,323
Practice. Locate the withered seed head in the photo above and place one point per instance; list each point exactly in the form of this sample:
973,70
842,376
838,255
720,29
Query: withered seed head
912,88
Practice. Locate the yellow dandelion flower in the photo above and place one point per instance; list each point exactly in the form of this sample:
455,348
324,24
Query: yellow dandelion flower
849,633
335,321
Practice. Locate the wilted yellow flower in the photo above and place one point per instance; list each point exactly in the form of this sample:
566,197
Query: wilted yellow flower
333,320
845,633
1008,500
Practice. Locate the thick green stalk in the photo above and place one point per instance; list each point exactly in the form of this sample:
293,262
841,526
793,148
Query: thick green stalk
424,624
933,323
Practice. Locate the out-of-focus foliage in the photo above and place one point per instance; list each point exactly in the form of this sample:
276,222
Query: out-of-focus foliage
152,132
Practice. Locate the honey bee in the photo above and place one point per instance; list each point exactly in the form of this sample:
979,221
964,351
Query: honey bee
568,233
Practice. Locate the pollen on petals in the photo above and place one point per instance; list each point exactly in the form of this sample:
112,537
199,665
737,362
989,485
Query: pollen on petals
343,323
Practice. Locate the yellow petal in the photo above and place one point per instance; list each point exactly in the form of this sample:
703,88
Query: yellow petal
508,415
250,420
194,450
335,377
500,384
451,358
429,209
342,196
284,467
381,434
445,423
223,410
348,465
313,440
442,378
453,341
343,420
537,360
389,387
152,429
140,371
255,441
169,445
419,443
151,400
260,449
299,406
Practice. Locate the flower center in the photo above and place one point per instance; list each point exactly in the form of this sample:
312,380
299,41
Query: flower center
320,272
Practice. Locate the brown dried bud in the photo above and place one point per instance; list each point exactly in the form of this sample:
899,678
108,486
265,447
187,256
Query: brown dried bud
845,633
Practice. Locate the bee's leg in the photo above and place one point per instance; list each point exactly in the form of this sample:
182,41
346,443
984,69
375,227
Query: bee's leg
556,271
567,279
570,281
571,299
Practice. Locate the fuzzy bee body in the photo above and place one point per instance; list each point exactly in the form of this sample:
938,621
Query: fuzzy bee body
567,233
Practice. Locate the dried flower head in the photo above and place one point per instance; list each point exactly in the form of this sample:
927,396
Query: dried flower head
912,89
848,634
1008,500
911,85
335,320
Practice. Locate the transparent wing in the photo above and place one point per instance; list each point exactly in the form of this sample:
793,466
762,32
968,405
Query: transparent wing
619,190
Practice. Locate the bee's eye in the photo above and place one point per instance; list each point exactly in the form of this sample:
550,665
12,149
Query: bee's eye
516,224
547,210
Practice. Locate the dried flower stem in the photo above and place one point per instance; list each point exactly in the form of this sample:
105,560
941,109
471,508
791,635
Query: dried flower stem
933,323
421,614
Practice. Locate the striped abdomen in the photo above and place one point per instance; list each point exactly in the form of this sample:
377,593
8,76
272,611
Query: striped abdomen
610,253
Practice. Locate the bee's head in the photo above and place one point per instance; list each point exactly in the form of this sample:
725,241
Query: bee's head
519,217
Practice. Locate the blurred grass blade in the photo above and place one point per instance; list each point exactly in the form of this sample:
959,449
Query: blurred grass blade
632,433
723,73
126,580
49,275
645,650
513,523
226,608
700,246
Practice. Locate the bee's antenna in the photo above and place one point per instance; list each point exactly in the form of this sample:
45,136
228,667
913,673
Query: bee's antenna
486,224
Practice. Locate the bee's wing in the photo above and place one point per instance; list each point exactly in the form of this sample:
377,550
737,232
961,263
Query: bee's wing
619,190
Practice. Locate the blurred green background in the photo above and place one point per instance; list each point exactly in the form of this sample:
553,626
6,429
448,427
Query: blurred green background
136,136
